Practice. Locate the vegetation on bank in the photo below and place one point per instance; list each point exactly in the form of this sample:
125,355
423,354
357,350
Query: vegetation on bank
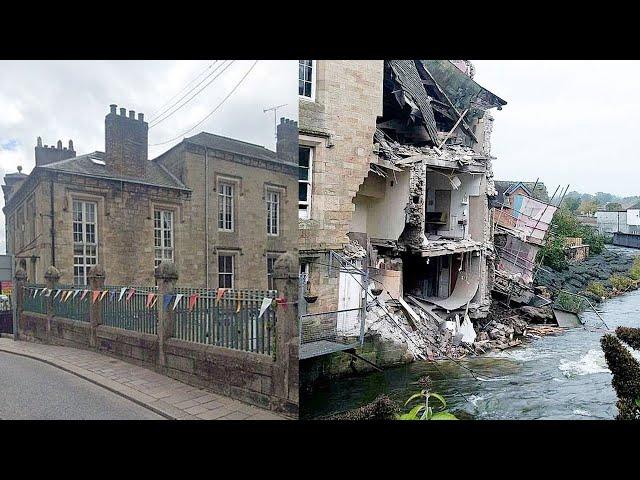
625,369
564,224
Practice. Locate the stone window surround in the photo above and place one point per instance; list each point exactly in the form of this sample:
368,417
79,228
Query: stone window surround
314,143
86,266
282,195
172,235
177,212
70,196
237,193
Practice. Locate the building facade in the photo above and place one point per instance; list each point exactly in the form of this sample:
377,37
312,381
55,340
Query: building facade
395,177
221,209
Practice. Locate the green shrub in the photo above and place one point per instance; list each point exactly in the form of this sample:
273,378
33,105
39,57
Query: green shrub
570,303
634,271
597,289
620,282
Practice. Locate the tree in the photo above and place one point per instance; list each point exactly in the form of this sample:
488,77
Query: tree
588,207
571,203
614,207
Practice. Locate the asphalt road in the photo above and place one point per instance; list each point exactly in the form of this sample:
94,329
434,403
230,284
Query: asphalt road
32,390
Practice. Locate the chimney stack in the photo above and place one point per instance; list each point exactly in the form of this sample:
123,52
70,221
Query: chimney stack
126,142
287,140
49,154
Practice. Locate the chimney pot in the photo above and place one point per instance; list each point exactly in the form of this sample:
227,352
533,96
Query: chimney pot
132,114
59,144
39,144
141,117
123,112
19,168
113,107
71,143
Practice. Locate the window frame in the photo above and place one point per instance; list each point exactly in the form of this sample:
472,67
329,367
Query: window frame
309,182
271,256
312,97
232,274
223,198
85,245
272,191
162,229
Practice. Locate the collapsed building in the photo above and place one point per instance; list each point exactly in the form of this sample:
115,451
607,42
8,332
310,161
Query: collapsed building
396,178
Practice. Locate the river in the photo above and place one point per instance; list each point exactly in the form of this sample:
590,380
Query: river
562,376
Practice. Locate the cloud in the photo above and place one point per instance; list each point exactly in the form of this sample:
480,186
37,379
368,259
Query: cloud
566,122
62,100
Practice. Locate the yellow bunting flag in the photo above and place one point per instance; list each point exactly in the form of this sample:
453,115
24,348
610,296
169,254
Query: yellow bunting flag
103,294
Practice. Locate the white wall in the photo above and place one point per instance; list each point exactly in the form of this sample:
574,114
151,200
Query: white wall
611,222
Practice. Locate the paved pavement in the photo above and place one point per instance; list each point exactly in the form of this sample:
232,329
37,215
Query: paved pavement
161,394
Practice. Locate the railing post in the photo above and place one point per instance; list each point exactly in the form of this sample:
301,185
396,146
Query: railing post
95,277
18,294
52,277
166,276
286,277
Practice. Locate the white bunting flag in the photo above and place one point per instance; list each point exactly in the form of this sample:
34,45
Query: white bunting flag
122,290
265,304
57,293
35,292
177,301
75,293
48,292
43,291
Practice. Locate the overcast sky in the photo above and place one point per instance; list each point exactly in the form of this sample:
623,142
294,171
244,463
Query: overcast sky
62,100
569,122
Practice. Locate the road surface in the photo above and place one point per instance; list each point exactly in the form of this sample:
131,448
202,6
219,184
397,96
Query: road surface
33,390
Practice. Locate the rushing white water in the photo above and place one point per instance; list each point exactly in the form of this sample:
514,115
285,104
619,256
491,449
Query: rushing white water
555,377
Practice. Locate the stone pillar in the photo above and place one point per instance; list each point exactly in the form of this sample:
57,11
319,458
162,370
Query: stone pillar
166,277
18,295
286,277
52,277
95,277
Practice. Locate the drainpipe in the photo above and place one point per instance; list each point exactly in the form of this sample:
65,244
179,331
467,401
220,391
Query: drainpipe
53,231
206,217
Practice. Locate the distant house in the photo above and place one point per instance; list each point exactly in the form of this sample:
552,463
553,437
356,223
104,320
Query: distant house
624,221
508,189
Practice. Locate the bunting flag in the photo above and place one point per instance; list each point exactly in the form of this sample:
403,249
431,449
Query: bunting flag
84,294
192,301
266,302
94,295
166,300
177,301
42,291
219,294
57,293
150,299
75,293
154,301
66,295
130,294
35,291
282,301
122,290
103,294
112,295
48,292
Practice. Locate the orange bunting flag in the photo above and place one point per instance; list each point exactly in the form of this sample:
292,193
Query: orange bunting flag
94,295
192,301
150,299
219,294
130,294
282,301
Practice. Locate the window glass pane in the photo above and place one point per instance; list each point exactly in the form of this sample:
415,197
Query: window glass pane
302,191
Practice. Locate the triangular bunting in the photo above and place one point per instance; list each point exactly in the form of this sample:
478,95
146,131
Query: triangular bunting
166,300
132,291
48,292
266,302
192,301
102,295
84,294
35,292
122,290
75,293
94,295
57,293
178,298
220,294
150,299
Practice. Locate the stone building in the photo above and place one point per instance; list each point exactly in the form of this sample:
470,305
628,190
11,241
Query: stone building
220,208
395,181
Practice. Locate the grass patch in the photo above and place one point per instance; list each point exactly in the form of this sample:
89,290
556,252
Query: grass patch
597,288
621,282
634,271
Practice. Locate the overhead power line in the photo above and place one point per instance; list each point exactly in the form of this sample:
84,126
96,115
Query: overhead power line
154,114
212,111
166,114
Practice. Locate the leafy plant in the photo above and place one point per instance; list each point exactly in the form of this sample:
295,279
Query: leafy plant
570,303
634,271
423,410
597,289
620,282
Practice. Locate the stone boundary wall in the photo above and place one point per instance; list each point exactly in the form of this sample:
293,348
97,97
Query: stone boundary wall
269,382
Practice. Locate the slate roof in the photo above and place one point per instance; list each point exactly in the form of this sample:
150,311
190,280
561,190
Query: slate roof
504,185
232,145
156,174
